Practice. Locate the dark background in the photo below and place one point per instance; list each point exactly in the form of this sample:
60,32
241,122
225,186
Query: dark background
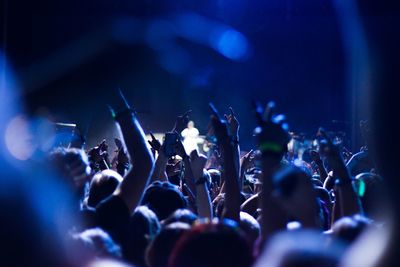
297,59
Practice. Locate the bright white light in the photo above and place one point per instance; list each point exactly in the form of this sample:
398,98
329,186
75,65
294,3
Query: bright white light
18,139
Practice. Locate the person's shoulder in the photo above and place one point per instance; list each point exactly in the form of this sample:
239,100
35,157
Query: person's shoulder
87,218
113,207
114,202
112,215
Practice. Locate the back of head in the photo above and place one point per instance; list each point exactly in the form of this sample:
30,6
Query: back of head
249,226
163,198
215,244
71,164
287,179
300,249
181,215
143,227
103,184
97,244
348,229
371,190
161,248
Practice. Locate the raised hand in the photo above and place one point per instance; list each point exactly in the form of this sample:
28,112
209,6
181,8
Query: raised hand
272,138
103,146
122,157
231,164
346,154
98,156
248,160
233,122
180,150
315,156
154,143
120,106
272,132
215,190
347,202
78,168
333,154
118,143
219,125
132,186
198,162
181,122
95,154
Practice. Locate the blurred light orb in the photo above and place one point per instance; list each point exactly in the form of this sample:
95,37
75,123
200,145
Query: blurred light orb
18,138
231,44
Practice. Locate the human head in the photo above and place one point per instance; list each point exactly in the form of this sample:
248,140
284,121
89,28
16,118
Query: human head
250,226
296,193
181,215
96,243
213,244
143,227
161,248
163,198
371,191
72,164
190,124
348,229
300,249
103,184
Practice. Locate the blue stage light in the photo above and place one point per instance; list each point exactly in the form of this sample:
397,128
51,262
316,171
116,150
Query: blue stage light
232,44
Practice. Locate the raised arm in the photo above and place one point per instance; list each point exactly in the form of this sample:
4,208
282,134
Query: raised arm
203,200
160,165
316,158
272,139
228,148
347,202
136,179
233,126
245,163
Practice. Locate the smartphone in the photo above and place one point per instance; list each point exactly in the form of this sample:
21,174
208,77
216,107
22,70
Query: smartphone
170,141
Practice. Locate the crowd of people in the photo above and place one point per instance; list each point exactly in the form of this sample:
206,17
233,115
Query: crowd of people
165,206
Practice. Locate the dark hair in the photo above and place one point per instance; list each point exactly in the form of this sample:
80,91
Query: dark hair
163,198
103,184
161,248
287,179
250,227
373,197
181,215
225,246
347,229
97,243
60,158
302,248
143,227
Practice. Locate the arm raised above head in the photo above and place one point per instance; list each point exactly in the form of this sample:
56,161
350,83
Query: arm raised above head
135,181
